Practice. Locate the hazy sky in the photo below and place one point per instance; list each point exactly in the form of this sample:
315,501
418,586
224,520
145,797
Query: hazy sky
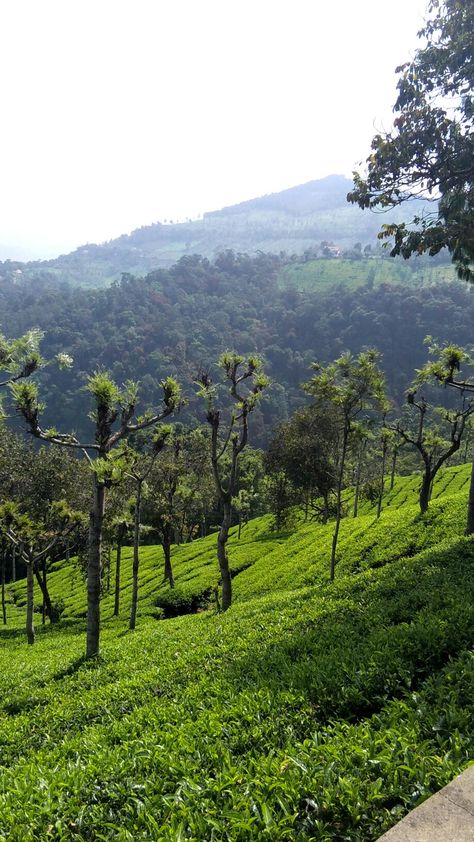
119,113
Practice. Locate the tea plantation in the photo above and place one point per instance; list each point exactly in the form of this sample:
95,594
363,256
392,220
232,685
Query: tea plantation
309,711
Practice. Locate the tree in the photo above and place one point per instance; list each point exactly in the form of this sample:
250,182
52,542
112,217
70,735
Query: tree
21,357
429,152
112,405
305,449
139,471
352,386
34,541
238,372
430,442
445,369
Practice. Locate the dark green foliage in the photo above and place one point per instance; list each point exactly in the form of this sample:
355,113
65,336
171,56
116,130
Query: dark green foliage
429,150
146,328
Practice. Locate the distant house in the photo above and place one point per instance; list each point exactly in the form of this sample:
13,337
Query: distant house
330,250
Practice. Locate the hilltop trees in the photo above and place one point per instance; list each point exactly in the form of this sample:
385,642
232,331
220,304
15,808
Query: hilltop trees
114,407
246,382
430,150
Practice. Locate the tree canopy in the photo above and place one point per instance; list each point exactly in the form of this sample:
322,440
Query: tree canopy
429,151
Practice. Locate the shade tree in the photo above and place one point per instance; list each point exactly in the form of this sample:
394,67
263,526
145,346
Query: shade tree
354,387
435,432
34,540
246,382
115,419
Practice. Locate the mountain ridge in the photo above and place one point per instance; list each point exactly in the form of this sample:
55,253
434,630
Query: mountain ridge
292,220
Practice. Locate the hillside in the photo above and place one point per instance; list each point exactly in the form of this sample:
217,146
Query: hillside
309,711
177,320
293,221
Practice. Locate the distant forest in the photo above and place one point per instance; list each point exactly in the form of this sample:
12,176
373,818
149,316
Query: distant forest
179,320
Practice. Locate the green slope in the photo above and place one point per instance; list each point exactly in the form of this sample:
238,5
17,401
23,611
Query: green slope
292,220
310,710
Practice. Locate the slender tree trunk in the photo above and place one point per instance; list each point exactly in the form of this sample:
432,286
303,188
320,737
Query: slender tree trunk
43,606
222,537
357,484
30,629
118,559
136,555
109,565
394,466
4,605
13,564
382,482
96,522
47,607
167,555
338,504
470,505
325,516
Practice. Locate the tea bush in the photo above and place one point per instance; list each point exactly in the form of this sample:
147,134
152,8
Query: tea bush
310,710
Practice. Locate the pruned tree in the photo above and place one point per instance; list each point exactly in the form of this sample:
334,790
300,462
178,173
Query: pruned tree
353,386
246,382
139,470
35,540
21,357
113,415
445,369
434,445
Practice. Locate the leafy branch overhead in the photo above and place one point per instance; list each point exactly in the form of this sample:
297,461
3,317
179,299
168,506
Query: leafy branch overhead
429,152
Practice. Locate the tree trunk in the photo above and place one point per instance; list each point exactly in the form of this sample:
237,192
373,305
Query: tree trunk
43,606
109,564
96,521
394,465
118,559
470,505
30,629
136,555
338,504
425,491
382,483
4,606
222,537
167,554
357,484
13,564
47,607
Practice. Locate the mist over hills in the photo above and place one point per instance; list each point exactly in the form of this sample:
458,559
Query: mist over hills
293,220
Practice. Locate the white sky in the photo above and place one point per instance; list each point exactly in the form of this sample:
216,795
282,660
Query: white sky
119,113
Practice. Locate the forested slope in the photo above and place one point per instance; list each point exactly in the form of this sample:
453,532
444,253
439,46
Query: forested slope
178,321
309,711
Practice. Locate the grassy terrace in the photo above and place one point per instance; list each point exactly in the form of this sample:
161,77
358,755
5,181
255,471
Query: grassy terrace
309,711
